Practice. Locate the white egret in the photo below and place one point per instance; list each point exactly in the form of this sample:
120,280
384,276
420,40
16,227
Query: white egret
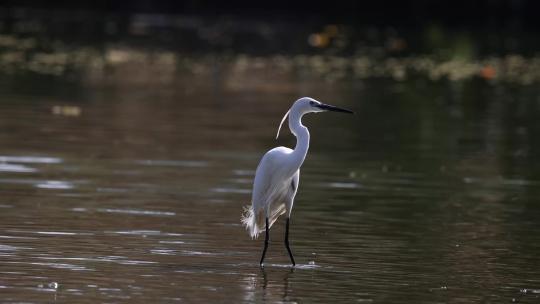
277,176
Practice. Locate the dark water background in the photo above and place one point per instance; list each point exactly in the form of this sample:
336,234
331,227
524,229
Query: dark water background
124,168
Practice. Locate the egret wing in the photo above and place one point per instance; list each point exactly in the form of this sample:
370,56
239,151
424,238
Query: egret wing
270,188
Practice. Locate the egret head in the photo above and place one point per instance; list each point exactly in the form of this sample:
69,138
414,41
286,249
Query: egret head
309,105
306,105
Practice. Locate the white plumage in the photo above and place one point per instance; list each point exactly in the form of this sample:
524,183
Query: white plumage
278,174
274,189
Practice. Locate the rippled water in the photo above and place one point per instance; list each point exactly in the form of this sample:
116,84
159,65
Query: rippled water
420,198
134,193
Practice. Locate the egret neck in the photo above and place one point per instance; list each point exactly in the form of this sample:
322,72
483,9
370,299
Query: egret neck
302,138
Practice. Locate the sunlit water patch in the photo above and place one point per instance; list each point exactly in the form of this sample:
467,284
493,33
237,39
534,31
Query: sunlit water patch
137,212
29,159
173,163
52,184
16,168
230,190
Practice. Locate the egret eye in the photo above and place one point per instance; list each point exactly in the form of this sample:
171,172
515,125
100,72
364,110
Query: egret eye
312,103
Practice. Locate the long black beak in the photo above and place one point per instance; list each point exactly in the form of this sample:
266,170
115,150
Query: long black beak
333,108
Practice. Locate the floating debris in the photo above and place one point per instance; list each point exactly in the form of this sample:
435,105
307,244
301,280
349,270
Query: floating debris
443,288
66,110
529,290
52,286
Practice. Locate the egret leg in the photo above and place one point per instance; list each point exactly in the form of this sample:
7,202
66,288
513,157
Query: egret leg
266,239
287,242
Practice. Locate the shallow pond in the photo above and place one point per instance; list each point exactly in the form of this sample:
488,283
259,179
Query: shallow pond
429,194
129,188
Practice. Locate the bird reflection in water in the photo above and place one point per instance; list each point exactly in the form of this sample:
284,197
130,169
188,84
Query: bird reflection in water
269,285
281,276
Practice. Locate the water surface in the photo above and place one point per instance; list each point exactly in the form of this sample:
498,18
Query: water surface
131,189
